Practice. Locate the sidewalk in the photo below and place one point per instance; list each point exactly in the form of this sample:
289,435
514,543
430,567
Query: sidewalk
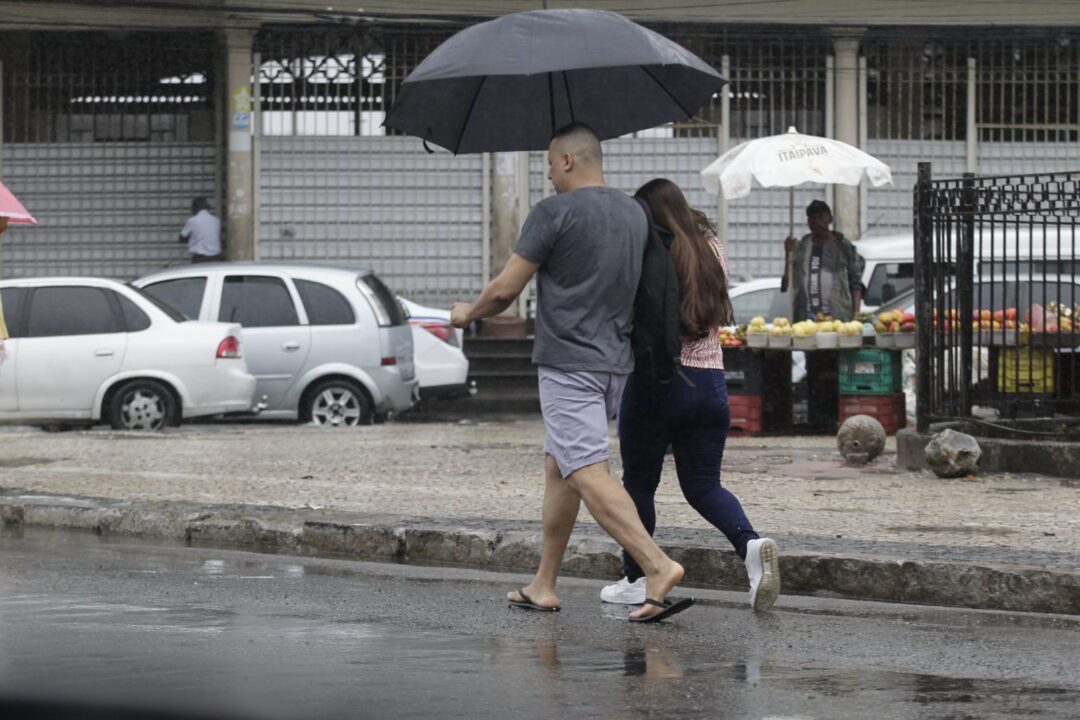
470,494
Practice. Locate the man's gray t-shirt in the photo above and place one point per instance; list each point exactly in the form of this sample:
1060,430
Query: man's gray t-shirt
589,245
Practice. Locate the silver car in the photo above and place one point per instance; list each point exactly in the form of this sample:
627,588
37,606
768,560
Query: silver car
326,345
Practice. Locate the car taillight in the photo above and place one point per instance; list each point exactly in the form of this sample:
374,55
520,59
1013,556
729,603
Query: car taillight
389,361
441,330
228,348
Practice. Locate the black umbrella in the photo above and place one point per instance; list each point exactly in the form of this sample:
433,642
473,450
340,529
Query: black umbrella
509,83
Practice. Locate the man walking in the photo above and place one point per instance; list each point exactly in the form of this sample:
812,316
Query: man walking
202,233
585,244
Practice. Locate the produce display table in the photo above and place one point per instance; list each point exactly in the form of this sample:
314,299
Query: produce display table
759,389
840,382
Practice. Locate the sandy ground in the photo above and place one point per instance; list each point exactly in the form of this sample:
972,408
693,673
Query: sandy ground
790,485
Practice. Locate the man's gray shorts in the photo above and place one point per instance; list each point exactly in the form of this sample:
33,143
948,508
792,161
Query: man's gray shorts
577,407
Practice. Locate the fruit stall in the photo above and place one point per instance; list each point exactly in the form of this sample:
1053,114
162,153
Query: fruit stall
854,368
1022,352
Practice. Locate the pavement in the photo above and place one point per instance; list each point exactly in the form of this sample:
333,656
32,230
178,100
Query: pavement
468,494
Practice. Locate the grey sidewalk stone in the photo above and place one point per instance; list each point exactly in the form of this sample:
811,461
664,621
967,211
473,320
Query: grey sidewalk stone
470,495
892,572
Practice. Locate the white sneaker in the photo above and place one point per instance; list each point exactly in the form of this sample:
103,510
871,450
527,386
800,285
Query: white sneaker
763,569
625,592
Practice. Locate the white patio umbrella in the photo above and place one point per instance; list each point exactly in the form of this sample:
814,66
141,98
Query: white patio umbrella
788,160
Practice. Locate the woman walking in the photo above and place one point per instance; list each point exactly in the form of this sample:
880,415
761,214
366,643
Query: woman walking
691,412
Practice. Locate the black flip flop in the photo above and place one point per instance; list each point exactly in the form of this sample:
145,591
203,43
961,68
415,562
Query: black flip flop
527,604
669,609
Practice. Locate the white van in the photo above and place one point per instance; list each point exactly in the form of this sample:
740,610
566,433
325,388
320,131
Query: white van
889,270
999,249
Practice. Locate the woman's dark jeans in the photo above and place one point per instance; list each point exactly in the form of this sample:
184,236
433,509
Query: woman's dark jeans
691,414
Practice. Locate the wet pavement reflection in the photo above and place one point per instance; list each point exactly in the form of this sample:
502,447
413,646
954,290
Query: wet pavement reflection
200,633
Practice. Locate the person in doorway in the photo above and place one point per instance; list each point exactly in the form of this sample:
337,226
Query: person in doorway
585,245
690,413
202,233
826,275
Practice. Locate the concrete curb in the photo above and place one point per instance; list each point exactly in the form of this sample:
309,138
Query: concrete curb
387,538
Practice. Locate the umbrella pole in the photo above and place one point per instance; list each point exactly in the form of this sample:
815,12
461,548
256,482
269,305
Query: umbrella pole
791,233
791,211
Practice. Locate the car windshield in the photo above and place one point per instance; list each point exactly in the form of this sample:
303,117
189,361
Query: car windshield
173,314
901,302
768,302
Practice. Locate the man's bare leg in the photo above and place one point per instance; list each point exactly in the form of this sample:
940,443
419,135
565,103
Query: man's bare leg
613,509
561,505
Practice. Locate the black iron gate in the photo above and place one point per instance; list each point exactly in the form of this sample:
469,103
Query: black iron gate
997,296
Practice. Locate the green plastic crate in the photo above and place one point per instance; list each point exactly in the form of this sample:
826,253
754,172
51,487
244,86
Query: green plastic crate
870,372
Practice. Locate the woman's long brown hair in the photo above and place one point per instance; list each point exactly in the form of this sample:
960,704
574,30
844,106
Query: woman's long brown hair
703,292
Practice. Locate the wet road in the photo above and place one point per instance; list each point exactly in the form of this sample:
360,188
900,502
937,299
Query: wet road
209,633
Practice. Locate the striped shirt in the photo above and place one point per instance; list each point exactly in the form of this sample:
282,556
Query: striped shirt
706,352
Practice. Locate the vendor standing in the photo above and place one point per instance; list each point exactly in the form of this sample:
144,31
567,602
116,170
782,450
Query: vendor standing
825,278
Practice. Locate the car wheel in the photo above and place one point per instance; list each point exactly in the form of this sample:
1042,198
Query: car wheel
337,403
143,405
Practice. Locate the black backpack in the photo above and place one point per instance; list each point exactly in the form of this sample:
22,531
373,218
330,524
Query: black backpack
655,337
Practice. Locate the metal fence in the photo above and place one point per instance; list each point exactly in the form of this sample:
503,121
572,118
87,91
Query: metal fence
106,140
143,105
378,202
997,277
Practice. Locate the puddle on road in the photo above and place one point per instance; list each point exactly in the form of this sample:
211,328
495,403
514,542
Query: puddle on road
222,661
18,462
282,666
959,529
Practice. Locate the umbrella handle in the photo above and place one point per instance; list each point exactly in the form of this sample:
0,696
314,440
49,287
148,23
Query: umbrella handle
791,211
790,269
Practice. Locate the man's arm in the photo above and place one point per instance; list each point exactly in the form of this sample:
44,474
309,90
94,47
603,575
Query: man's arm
185,232
498,295
789,247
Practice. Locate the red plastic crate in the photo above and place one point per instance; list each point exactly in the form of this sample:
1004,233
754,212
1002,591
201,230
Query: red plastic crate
889,410
747,414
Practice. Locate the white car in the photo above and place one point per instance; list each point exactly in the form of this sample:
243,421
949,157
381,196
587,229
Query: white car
441,365
763,297
92,350
759,297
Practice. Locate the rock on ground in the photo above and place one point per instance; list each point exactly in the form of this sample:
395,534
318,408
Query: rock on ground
861,439
953,454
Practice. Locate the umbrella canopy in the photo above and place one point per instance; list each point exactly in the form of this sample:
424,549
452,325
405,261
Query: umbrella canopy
510,83
788,160
12,209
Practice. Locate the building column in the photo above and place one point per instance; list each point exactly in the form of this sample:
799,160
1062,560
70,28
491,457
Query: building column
505,191
239,211
846,50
